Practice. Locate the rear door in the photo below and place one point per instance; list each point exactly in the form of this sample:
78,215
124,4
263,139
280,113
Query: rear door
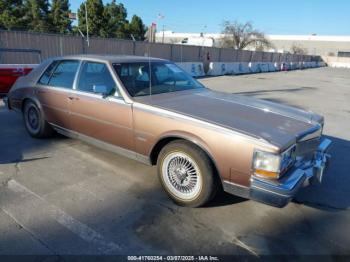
97,116
54,91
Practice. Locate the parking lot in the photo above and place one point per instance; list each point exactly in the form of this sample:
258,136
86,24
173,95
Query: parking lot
61,196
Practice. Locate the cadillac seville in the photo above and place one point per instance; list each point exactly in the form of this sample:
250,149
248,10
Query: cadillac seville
152,111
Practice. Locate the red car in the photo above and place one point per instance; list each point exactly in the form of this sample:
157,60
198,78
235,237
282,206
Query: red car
9,74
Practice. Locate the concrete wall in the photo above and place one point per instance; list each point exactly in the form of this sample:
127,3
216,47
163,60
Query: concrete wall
313,47
338,62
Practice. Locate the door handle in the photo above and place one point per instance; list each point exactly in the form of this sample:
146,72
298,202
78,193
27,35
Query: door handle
73,98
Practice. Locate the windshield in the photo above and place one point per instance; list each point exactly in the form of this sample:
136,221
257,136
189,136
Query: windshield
144,78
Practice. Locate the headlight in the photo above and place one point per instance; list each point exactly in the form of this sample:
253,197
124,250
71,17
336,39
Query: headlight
269,165
266,164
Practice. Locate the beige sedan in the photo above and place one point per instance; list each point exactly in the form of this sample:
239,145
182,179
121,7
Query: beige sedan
152,111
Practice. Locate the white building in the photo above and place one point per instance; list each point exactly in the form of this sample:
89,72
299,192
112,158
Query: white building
313,44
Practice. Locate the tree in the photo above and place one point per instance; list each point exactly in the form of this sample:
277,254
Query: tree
242,35
298,49
11,15
103,21
59,17
137,28
115,15
96,20
36,13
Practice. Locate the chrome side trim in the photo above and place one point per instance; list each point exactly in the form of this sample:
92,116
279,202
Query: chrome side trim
103,145
125,96
269,191
55,88
77,75
114,99
174,115
236,189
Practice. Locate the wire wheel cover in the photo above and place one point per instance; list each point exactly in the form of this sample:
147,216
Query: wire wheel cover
181,175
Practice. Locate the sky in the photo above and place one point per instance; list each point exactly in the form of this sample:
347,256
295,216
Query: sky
292,17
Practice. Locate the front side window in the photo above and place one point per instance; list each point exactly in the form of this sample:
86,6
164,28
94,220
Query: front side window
96,76
143,78
64,74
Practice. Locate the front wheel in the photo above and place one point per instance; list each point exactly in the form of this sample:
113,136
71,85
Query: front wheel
34,121
186,173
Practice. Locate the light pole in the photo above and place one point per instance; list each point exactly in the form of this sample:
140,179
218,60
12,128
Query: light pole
160,17
87,26
203,32
73,16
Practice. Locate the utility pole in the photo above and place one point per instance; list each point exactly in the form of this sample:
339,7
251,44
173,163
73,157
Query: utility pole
87,26
202,34
161,17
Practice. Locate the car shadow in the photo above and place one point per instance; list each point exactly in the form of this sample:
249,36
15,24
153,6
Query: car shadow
16,145
333,192
224,199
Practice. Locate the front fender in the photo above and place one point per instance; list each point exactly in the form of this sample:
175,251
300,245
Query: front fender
178,134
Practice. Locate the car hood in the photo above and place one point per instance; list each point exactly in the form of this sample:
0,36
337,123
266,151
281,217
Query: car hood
275,123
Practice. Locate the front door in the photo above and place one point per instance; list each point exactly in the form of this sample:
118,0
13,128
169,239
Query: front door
105,117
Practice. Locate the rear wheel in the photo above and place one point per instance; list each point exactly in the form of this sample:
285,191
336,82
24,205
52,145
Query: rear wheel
186,173
34,121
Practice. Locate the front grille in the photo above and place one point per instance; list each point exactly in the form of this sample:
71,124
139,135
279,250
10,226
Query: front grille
306,149
288,159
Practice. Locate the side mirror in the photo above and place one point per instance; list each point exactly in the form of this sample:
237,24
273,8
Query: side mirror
100,89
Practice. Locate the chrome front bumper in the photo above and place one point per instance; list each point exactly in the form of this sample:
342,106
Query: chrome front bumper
279,193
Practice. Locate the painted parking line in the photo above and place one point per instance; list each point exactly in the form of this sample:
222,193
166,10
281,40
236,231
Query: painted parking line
32,201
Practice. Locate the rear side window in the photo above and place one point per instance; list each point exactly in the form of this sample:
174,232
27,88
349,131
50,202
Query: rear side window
64,74
44,79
